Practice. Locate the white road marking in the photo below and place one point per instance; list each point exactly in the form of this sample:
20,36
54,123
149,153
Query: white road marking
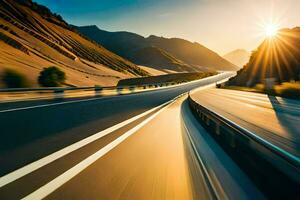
4,180
50,187
52,104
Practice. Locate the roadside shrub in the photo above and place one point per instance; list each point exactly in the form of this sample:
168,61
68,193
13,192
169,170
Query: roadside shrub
51,77
14,79
288,90
260,87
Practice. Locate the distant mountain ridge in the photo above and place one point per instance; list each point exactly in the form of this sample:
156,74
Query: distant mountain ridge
193,55
160,59
277,57
239,57
32,37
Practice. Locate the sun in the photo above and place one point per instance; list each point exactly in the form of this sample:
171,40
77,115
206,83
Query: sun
271,30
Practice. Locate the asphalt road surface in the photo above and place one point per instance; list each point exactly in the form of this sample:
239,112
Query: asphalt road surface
274,119
134,146
150,157
31,130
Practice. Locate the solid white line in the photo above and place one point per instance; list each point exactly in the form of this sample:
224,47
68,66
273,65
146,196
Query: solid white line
50,187
52,104
4,180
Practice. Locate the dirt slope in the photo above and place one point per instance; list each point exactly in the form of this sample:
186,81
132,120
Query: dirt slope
31,38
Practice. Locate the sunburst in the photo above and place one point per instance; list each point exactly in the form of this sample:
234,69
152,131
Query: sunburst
271,30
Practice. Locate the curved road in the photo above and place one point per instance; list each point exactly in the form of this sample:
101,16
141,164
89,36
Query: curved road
274,119
139,146
28,126
151,157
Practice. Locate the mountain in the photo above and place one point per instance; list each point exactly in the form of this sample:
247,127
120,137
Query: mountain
32,37
160,59
193,55
136,48
238,57
277,57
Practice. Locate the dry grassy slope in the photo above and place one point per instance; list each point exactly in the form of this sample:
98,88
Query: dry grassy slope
161,60
29,42
193,55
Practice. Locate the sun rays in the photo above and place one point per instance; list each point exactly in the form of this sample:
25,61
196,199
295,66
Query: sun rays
277,54
271,30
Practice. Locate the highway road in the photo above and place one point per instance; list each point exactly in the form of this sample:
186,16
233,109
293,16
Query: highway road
151,157
134,146
274,119
28,126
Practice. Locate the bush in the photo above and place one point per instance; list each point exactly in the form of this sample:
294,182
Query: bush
288,90
260,87
51,77
13,79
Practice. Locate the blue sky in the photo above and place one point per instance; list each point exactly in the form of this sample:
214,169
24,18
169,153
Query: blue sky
221,25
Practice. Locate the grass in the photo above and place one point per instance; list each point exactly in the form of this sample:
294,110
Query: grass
287,89
258,88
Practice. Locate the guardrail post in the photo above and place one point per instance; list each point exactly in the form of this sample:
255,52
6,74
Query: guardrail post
119,90
98,91
202,116
218,128
232,139
59,94
207,121
131,88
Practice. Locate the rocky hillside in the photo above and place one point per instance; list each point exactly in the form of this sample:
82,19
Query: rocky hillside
277,57
32,37
126,44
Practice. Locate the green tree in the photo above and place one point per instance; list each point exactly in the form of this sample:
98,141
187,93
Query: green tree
14,79
51,77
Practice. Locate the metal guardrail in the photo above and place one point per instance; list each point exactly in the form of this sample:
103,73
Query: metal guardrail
58,92
83,88
287,163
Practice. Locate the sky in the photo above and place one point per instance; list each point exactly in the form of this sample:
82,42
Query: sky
220,25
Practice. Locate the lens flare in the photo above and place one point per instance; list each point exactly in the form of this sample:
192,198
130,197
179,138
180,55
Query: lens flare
271,30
